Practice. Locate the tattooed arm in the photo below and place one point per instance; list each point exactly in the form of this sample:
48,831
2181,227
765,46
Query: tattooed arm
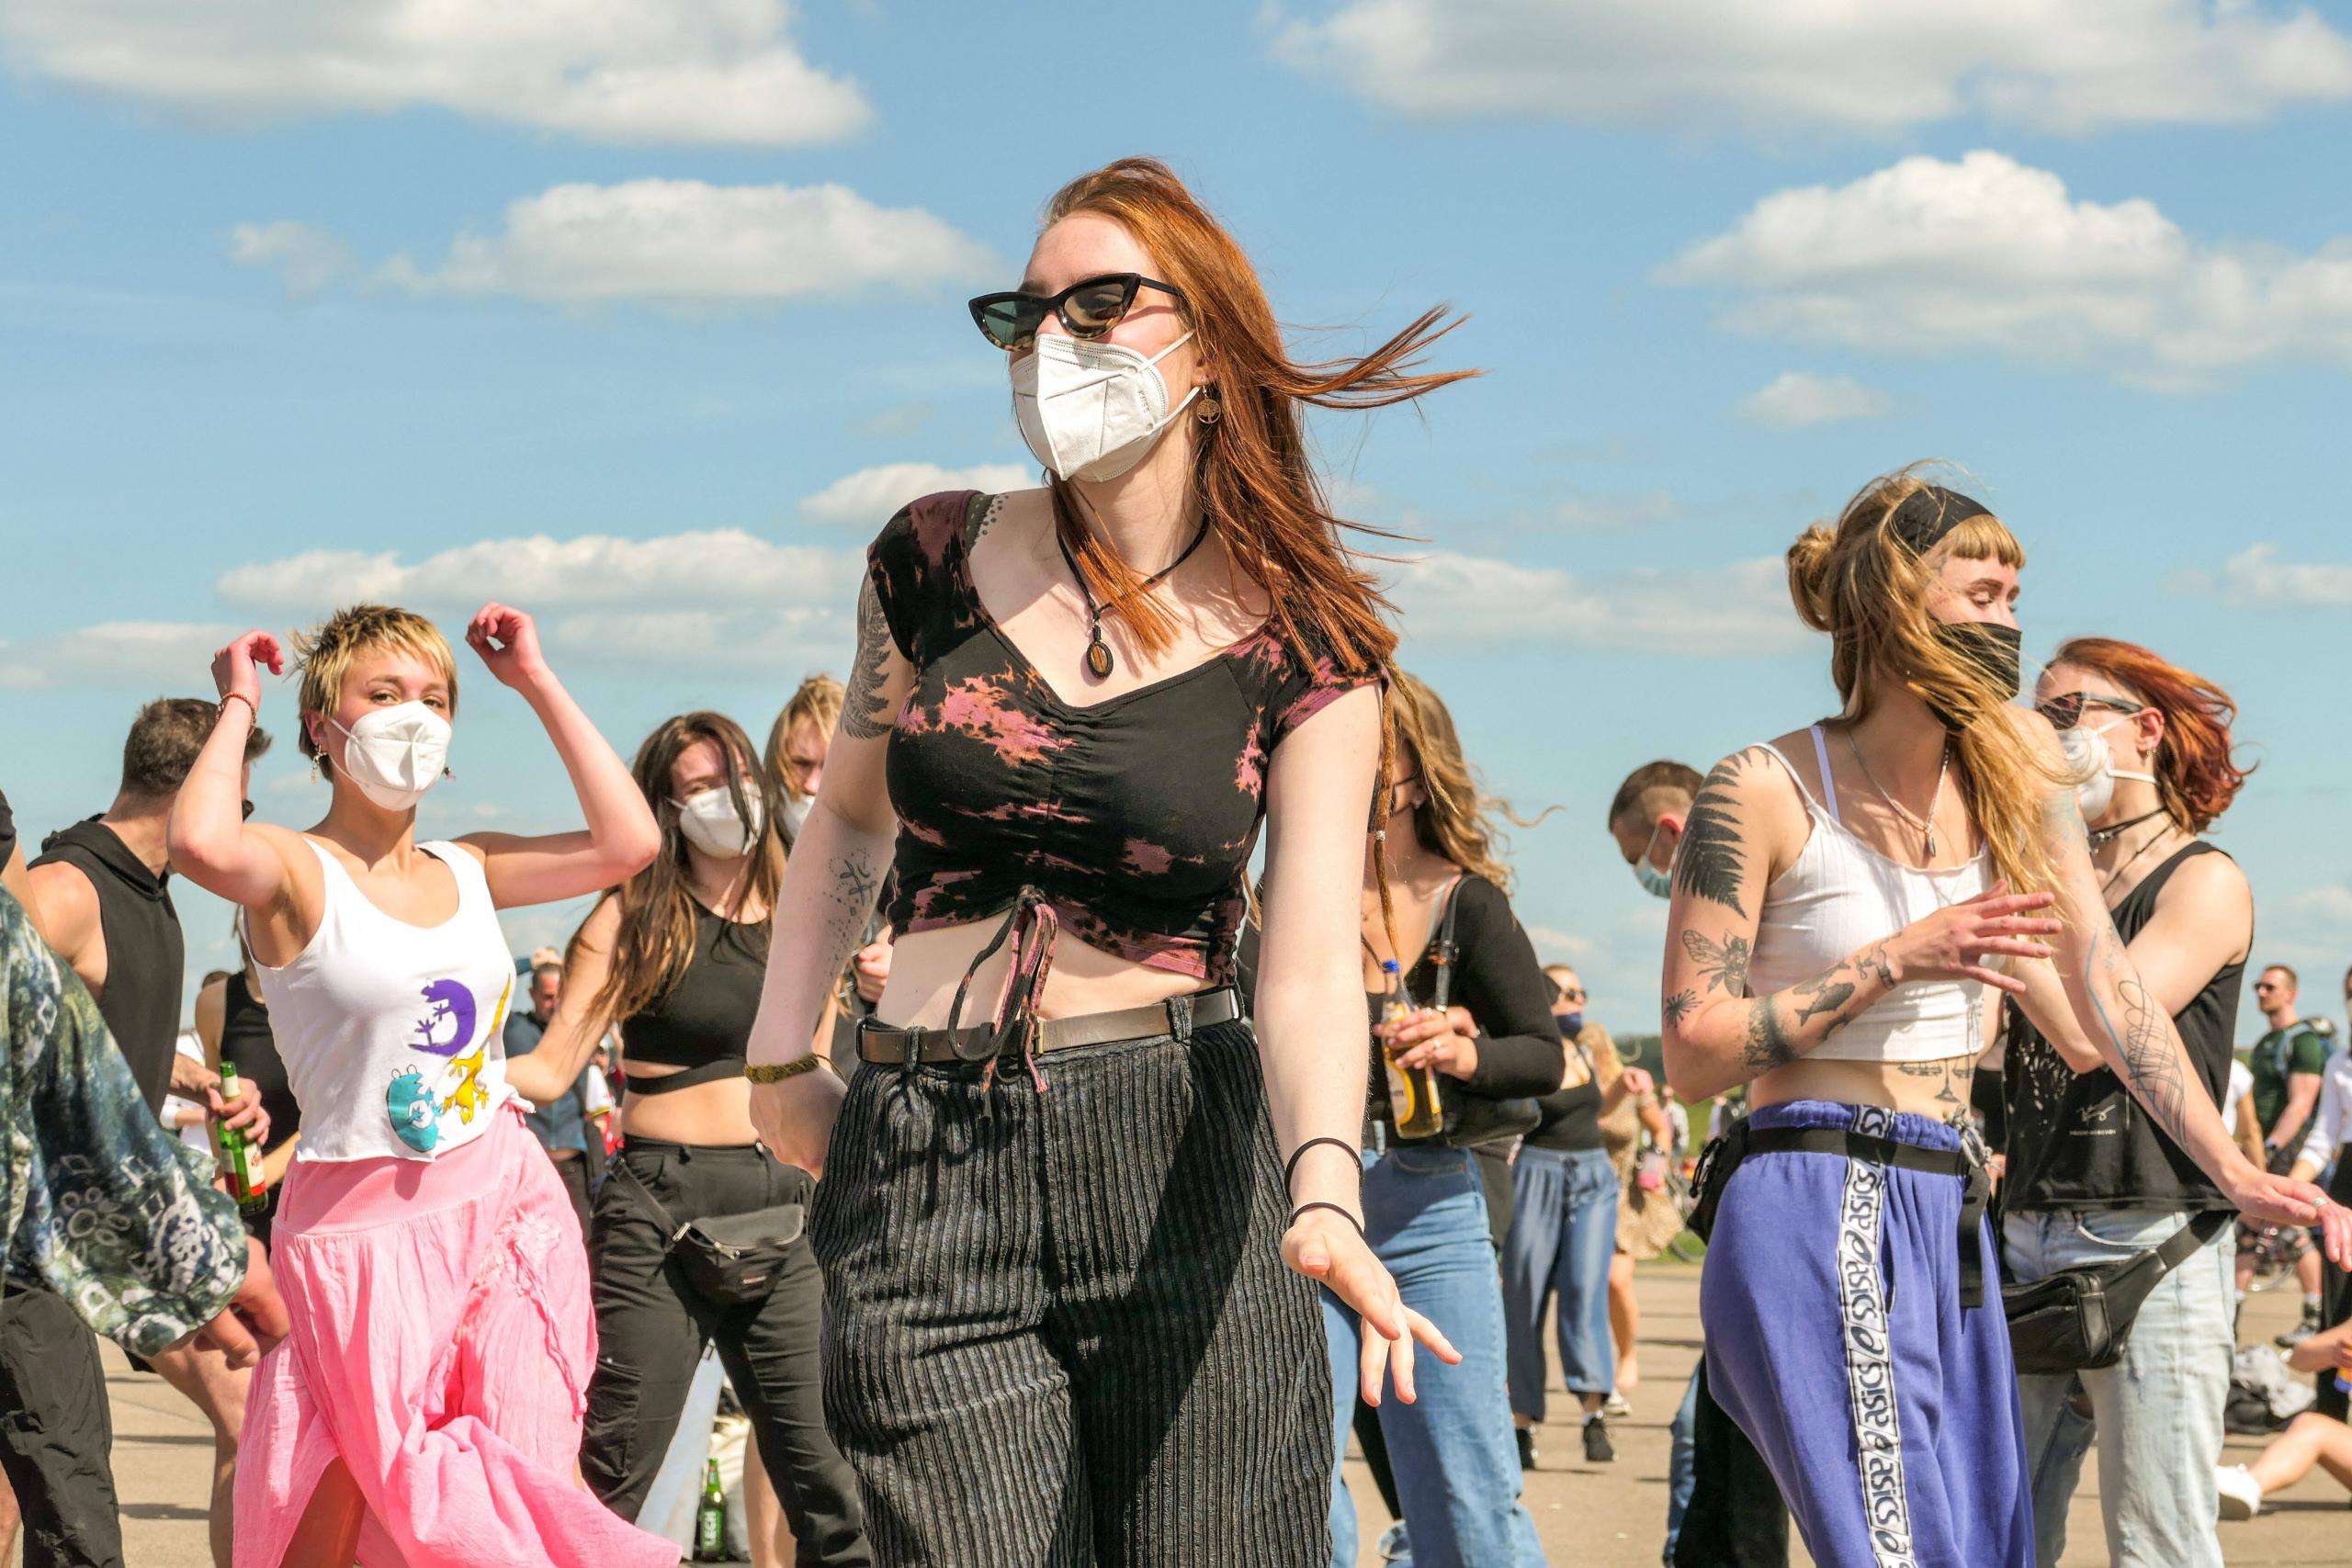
1747,825
2108,1004
829,885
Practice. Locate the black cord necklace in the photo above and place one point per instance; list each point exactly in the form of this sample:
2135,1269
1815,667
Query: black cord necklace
2102,837
1098,652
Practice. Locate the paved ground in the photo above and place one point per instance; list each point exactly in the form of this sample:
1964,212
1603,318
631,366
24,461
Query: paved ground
1591,1516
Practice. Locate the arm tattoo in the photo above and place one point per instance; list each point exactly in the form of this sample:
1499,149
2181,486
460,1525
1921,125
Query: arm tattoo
865,712
1711,863
1724,966
2150,1051
851,893
1678,1006
1767,1045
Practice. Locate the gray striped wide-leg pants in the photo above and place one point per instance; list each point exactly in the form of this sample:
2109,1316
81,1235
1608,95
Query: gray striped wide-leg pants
1061,1333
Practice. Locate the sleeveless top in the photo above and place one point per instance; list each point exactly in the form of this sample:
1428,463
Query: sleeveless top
2079,1140
246,1040
391,1033
1130,819
146,961
707,1015
1839,897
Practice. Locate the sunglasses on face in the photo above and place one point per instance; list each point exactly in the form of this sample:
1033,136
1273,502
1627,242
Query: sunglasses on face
2065,710
1568,993
1087,309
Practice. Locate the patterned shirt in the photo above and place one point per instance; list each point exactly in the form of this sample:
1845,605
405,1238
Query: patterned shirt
1133,818
98,1203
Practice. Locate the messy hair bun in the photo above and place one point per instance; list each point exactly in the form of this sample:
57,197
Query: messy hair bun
1809,576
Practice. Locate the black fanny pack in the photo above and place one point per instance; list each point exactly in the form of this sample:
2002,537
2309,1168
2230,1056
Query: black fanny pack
731,1259
2079,1319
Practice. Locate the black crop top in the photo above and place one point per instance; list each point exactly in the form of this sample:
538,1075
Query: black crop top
1133,818
707,1015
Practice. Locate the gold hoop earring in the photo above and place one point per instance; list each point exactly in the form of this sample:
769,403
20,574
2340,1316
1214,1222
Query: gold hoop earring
1208,411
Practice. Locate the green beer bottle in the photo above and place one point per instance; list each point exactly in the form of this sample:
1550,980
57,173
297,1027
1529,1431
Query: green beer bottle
710,1521
240,1161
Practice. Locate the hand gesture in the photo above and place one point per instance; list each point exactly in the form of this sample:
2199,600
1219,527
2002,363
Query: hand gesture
2282,1201
244,1112
1638,1083
508,641
1328,1250
1447,1041
871,969
236,668
794,1118
1954,942
255,1318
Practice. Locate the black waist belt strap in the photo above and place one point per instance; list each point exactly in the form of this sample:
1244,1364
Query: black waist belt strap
1871,1149
706,1072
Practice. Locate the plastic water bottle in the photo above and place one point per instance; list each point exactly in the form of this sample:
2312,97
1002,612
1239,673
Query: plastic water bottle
1412,1091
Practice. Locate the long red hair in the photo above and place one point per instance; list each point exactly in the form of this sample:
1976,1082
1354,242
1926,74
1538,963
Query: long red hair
2196,777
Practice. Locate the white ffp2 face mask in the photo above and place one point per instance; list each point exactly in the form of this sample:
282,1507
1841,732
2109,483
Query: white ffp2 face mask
712,825
795,813
1092,411
395,754
2092,764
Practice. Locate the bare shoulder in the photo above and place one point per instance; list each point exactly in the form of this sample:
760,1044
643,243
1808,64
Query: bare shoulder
2211,882
69,905
481,845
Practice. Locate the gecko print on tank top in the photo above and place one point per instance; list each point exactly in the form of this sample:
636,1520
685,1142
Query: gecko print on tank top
421,1098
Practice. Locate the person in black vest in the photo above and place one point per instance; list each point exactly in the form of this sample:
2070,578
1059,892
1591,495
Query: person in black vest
2091,1178
107,909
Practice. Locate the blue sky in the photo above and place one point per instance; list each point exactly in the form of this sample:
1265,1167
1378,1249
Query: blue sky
643,314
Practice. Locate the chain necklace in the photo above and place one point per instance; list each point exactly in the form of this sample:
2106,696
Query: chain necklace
2158,837
1098,652
1927,827
2102,837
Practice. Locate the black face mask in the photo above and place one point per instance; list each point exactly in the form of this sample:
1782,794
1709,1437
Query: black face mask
1995,650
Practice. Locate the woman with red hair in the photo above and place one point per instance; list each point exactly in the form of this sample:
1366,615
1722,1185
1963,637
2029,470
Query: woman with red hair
2091,1177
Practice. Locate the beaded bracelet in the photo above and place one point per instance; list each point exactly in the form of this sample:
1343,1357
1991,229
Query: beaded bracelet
777,1072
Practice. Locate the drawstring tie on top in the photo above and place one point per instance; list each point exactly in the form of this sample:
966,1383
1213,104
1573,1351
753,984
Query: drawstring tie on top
1031,926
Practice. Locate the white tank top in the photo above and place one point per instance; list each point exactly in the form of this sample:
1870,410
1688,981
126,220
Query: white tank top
393,1035
1840,896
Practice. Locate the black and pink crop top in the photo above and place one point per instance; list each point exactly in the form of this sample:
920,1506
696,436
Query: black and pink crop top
1132,819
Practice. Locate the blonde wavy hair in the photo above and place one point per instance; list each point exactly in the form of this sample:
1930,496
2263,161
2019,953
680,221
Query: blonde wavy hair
1861,583
819,701
1453,818
326,653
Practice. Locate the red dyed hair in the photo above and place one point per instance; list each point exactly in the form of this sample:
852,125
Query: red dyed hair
2196,775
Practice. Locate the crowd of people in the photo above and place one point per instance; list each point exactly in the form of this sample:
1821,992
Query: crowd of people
1001,1101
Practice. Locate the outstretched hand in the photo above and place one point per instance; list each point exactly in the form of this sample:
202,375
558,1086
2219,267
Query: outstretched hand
1328,1250
1957,941
236,668
508,641
2282,1201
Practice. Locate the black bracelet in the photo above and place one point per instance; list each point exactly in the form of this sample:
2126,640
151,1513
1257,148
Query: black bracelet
1291,1170
1335,1208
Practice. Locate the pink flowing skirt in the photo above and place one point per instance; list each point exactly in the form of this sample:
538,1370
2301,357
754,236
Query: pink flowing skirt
442,1344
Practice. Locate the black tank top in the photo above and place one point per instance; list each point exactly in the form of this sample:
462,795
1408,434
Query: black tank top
1571,1116
2080,1141
707,1015
145,957
247,1041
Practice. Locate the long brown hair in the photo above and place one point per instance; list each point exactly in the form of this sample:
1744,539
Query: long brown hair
2196,777
1452,816
656,941
1861,582
1256,488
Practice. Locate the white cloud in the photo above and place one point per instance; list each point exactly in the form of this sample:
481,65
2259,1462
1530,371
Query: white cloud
1742,608
307,259
2255,578
1839,66
1987,254
868,497
1551,944
716,71
157,657
689,245
1796,399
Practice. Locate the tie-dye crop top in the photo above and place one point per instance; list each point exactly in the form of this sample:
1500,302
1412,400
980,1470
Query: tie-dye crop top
1132,819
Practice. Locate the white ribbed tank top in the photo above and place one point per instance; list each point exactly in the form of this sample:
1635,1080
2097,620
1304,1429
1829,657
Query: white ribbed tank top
393,1035
1840,896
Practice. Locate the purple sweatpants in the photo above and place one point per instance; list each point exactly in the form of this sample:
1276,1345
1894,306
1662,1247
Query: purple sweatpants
1836,1339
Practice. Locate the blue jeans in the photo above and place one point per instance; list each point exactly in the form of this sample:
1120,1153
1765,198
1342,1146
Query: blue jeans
1563,1230
1682,1463
1457,1468
2157,1413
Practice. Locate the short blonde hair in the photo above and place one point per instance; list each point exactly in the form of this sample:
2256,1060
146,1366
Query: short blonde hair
325,654
819,701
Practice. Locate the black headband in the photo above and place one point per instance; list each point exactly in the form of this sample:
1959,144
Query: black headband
1930,513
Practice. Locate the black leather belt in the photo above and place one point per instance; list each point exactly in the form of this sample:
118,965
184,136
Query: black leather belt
1179,1016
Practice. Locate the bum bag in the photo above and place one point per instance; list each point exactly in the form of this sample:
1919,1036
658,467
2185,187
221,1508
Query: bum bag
2079,1319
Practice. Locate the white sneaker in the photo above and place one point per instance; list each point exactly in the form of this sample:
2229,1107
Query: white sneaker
2241,1494
1618,1406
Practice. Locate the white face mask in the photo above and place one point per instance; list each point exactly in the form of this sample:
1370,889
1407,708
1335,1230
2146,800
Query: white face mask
395,754
795,813
2091,763
712,825
1092,411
